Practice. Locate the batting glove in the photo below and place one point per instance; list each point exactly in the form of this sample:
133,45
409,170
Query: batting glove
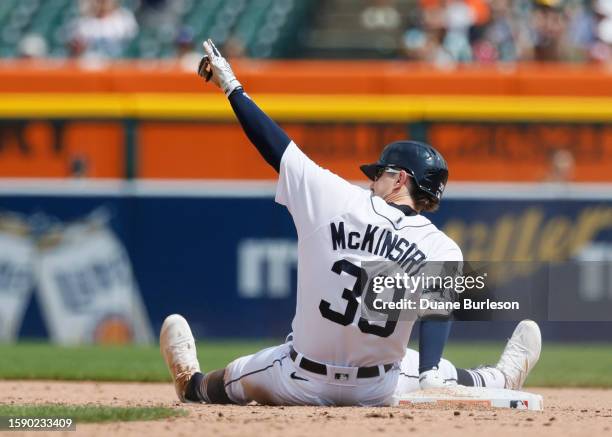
214,67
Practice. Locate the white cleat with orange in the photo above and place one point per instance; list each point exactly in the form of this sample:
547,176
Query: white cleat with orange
178,348
520,354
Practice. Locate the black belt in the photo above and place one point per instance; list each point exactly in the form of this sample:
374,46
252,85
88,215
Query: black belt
321,369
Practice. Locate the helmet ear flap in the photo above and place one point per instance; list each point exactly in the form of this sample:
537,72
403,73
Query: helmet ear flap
423,201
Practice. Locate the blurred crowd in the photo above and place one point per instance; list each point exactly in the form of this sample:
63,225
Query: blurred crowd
103,29
486,31
107,29
442,32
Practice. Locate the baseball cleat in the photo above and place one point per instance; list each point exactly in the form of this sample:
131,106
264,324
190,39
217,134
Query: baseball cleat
433,379
178,348
520,354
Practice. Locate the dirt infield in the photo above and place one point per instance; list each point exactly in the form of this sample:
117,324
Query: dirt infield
570,412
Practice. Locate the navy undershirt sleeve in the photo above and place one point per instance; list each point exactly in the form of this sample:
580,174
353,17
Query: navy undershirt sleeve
271,141
433,335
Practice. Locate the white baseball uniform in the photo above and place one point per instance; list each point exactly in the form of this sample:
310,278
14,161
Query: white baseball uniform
340,226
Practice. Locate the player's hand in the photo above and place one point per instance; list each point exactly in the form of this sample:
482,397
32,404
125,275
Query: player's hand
214,67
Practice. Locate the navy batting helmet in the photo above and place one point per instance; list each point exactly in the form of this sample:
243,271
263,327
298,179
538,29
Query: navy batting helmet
424,163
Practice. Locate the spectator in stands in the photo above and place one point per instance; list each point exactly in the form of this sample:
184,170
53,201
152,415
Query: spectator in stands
33,46
423,40
103,30
481,11
459,18
601,48
549,25
441,34
582,27
496,40
445,32
426,45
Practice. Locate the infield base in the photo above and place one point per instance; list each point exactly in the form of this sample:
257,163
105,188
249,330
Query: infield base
461,397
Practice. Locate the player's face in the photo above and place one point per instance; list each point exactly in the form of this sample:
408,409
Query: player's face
385,182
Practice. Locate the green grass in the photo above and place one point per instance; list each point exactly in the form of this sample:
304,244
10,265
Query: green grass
112,363
561,365
91,414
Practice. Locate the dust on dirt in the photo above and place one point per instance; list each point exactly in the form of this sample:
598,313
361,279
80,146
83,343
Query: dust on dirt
567,412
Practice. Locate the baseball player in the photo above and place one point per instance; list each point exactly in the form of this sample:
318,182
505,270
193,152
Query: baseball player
335,356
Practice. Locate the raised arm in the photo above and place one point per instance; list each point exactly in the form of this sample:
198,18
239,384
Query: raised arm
269,139
312,194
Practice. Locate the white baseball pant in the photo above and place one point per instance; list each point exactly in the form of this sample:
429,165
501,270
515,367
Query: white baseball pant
271,377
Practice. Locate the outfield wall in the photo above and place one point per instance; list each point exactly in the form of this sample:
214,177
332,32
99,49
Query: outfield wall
154,120
84,261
